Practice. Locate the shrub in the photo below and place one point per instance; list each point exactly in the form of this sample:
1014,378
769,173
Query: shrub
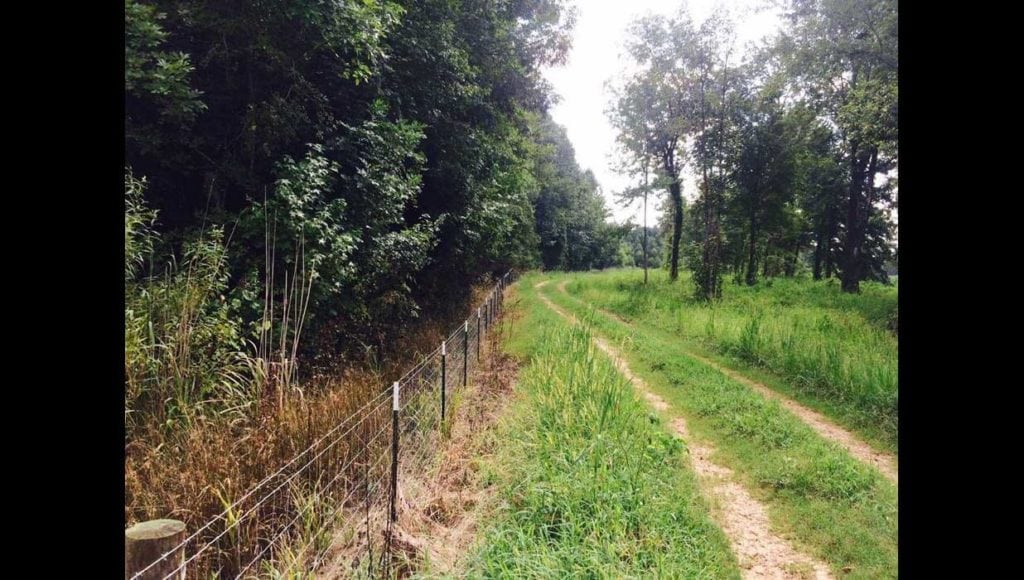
183,345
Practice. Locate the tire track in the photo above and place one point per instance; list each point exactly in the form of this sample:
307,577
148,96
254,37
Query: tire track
880,460
761,552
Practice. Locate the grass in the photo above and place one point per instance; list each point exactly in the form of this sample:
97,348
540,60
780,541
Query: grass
834,352
192,469
839,509
593,485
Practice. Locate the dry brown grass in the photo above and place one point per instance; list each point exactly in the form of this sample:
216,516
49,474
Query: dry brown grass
442,501
189,473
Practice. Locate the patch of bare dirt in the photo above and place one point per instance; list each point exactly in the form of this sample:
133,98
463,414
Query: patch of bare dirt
883,462
620,364
761,553
446,515
552,305
880,460
744,520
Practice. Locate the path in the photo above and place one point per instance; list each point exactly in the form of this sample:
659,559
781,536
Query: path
761,553
880,460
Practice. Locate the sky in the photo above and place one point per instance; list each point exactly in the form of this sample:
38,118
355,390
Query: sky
597,56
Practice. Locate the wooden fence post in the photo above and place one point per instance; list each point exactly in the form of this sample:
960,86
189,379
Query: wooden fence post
146,542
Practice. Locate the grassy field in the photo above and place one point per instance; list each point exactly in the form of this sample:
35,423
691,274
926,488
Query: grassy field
592,483
837,508
832,351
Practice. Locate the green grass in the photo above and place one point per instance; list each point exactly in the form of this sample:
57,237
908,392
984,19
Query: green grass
832,351
839,509
592,483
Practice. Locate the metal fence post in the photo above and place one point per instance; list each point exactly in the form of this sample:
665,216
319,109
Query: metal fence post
444,375
465,353
478,336
394,449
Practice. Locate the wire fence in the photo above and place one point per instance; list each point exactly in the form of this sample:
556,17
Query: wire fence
336,500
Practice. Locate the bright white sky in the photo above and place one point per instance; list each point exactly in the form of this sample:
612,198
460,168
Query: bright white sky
597,56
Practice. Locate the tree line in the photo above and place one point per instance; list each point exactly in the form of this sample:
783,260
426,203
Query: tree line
794,147
353,162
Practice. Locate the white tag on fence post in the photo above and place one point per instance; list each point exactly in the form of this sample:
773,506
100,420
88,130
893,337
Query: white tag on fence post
394,397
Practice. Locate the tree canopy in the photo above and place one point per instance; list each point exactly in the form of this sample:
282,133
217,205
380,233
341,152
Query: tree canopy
389,153
794,146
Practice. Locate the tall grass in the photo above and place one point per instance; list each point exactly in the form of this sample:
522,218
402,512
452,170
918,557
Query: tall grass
188,354
213,407
184,349
594,486
844,511
825,343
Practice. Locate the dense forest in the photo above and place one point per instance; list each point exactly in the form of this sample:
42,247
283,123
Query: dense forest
794,145
334,169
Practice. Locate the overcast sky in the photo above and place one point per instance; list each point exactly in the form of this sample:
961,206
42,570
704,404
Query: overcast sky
597,56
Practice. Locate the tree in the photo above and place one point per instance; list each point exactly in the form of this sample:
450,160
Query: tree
709,56
631,194
650,112
842,56
762,172
394,143
819,185
635,241
570,210
794,150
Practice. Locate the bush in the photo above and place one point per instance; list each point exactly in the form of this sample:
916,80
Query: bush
183,344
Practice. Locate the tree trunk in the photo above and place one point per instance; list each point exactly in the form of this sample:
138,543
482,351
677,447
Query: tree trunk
716,251
704,279
752,254
645,227
714,254
767,248
716,282
791,266
818,255
830,235
855,223
677,227
869,184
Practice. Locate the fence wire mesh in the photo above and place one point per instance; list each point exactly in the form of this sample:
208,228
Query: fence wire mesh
334,501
